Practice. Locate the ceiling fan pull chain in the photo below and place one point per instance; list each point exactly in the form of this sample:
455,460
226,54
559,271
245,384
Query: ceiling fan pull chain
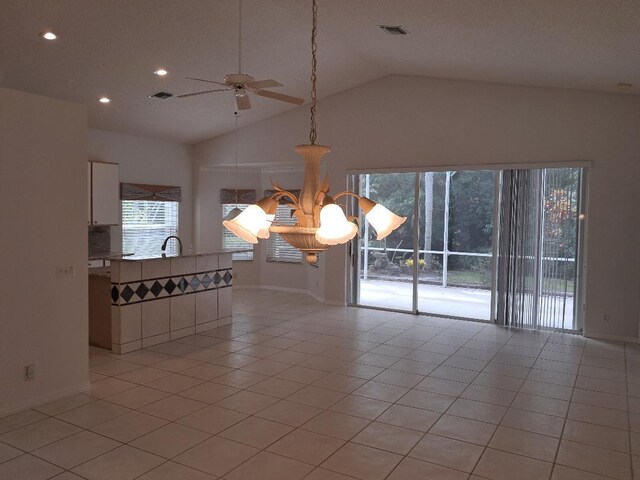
314,48
236,155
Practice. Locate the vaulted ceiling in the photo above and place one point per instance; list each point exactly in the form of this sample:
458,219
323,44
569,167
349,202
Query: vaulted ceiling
112,47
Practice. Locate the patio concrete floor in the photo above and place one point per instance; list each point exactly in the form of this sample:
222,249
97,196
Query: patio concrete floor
448,301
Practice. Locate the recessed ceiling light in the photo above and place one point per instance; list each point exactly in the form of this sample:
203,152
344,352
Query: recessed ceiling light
104,99
48,35
161,72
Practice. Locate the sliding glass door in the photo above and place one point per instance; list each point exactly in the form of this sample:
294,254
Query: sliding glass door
458,255
440,261
385,276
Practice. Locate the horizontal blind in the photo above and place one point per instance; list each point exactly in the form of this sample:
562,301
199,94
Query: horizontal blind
278,250
145,225
229,240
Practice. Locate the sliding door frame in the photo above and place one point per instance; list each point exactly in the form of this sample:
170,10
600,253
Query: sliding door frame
353,267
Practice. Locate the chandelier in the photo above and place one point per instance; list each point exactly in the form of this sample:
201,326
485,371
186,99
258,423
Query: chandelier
320,222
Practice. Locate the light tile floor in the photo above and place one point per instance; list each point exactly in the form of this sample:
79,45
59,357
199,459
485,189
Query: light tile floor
297,390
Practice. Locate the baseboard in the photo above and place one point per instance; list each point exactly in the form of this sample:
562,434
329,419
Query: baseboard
614,338
291,290
42,399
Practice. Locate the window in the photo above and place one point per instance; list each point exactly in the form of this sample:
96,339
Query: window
145,225
279,250
229,240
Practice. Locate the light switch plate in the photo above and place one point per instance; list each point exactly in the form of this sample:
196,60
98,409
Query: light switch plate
65,271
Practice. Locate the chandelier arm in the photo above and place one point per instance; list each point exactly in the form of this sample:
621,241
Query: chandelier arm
346,193
283,193
320,197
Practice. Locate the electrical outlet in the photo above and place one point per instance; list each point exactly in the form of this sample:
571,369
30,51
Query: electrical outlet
605,318
30,372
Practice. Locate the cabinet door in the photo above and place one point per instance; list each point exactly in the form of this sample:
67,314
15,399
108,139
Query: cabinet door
105,188
89,193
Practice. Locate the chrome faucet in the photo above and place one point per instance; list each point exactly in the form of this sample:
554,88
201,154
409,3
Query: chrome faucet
164,244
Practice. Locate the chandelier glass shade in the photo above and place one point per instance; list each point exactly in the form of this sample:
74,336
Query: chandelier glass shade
383,220
320,222
334,226
254,221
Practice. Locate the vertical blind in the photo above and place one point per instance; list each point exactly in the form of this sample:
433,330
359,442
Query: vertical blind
518,245
278,250
537,247
145,225
229,240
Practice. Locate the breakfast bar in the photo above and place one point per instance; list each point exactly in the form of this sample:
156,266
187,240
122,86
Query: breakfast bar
155,300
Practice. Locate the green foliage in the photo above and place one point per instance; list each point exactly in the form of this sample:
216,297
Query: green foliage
471,222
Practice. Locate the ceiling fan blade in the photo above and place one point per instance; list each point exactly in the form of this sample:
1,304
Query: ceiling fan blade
264,84
279,96
243,102
204,80
202,93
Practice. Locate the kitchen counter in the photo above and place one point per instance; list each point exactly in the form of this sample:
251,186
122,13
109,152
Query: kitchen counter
100,272
157,299
134,258
109,256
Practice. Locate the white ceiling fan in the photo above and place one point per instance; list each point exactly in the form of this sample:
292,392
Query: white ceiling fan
242,84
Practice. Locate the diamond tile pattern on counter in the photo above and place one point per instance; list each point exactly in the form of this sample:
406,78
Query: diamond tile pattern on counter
148,290
293,389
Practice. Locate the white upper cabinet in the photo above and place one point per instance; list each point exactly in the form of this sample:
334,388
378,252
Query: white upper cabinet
104,199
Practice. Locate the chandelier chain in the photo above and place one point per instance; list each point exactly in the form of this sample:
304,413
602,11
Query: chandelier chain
314,48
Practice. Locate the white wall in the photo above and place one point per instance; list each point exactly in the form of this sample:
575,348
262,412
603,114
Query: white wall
146,160
43,189
406,122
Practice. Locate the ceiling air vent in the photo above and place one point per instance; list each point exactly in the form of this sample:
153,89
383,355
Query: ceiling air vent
392,30
161,95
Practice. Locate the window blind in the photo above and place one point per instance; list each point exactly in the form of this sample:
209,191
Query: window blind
229,240
278,250
145,225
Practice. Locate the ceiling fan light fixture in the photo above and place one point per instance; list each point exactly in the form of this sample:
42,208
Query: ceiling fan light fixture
243,84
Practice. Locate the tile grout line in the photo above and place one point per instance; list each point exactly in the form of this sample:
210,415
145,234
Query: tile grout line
445,411
354,336
508,407
564,421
